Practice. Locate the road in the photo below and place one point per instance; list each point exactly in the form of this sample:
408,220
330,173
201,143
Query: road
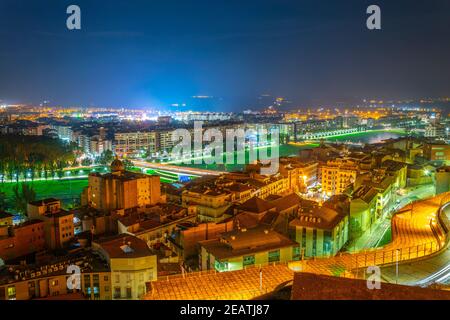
412,237
372,237
176,169
422,273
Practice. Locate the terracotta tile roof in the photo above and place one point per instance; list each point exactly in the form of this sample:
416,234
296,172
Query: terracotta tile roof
308,286
286,202
256,205
320,218
115,247
238,243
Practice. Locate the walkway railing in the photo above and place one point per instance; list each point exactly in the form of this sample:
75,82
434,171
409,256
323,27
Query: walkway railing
214,271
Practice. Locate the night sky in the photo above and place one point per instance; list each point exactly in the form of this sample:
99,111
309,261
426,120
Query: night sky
132,53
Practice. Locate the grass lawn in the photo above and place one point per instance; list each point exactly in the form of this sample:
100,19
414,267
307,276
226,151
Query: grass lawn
66,190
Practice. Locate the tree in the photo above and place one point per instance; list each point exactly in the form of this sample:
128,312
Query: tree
106,157
127,164
22,195
2,200
86,162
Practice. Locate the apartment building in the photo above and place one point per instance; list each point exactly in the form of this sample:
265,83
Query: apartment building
132,265
132,143
121,189
58,223
337,175
50,280
211,204
238,249
21,240
320,231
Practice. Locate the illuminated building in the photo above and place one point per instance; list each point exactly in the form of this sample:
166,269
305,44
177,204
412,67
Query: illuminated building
58,223
300,174
132,143
21,240
98,146
398,170
64,132
320,231
49,280
164,141
435,131
121,189
211,204
436,151
156,223
363,210
420,174
132,265
242,248
442,179
184,238
337,175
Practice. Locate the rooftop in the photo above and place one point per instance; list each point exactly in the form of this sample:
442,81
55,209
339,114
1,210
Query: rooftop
319,218
238,243
256,205
123,175
117,247
308,286
43,202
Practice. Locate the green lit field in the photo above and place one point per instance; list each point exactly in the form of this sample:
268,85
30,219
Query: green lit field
66,190
69,190
284,150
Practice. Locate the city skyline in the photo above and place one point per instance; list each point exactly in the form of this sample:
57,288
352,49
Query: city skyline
160,54
224,150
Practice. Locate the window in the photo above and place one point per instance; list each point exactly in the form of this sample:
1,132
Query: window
105,278
87,284
117,278
117,293
249,260
274,256
129,295
296,253
31,289
327,240
314,250
304,238
11,293
292,233
220,266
